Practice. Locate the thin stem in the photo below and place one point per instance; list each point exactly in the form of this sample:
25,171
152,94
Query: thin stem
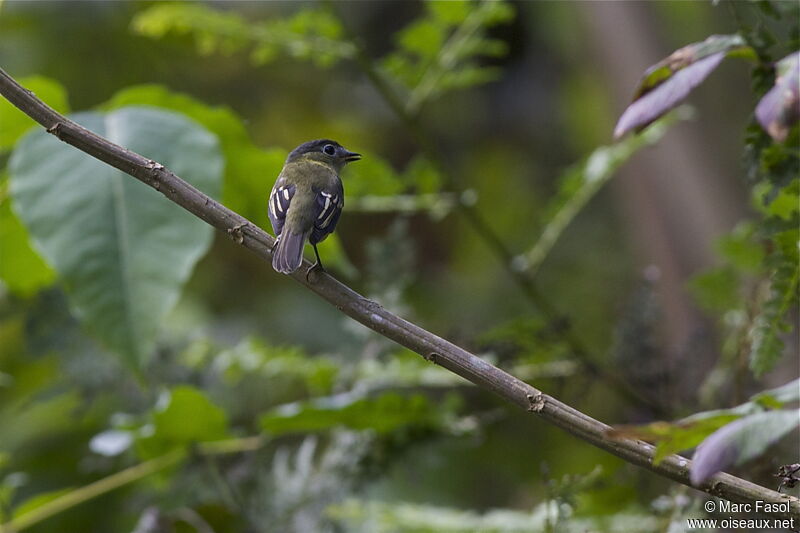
93,490
372,315
443,61
125,477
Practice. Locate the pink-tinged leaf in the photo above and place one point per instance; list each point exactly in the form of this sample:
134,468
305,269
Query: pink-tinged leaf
665,84
779,109
667,95
741,441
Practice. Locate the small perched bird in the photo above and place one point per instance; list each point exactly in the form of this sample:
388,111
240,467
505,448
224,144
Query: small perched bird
306,201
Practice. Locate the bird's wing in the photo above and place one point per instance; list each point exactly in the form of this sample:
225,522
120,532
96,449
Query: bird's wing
279,200
329,204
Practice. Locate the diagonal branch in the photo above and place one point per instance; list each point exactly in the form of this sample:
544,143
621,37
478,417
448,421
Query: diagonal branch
374,316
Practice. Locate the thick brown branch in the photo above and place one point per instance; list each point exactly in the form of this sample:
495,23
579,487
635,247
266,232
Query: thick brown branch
375,317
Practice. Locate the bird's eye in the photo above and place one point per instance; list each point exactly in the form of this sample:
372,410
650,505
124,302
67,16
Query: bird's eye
329,149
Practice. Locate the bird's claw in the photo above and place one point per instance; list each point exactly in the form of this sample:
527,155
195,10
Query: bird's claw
316,267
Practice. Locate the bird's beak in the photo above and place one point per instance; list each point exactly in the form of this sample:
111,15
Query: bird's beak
351,156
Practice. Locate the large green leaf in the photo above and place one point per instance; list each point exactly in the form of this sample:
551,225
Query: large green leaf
122,249
183,416
382,414
21,268
249,170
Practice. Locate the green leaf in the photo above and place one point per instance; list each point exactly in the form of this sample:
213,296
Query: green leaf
253,357
423,38
47,419
184,416
372,175
674,437
421,172
453,12
21,268
740,441
741,249
685,437
779,396
766,344
309,34
246,165
15,122
122,250
438,51
383,414
678,436
213,30
716,290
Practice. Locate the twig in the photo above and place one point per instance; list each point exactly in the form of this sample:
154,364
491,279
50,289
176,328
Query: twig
374,316
125,477
83,494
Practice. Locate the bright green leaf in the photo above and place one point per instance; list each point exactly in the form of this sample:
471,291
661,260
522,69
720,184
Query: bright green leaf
452,12
779,396
383,414
716,290
253,357
21,268
686,436
372,175
741,249
246,165
424,38
123,250
423,175
183,416
188,416
766,345
15,122
309,34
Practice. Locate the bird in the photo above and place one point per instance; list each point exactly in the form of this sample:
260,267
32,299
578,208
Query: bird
306,201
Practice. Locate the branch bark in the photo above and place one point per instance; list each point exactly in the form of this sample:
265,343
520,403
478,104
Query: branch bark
374,316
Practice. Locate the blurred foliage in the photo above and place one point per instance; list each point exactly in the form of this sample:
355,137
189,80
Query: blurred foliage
688,433
310,34
579,184
246,402
437,53
757,292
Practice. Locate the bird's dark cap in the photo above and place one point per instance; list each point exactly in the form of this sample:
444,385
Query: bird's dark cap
318,145
311,146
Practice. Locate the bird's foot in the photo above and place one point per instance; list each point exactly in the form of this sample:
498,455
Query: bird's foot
316,267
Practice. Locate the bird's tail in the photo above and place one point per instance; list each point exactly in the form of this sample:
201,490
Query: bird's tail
288,254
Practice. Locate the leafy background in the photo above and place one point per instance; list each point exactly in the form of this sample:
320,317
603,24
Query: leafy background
215,395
